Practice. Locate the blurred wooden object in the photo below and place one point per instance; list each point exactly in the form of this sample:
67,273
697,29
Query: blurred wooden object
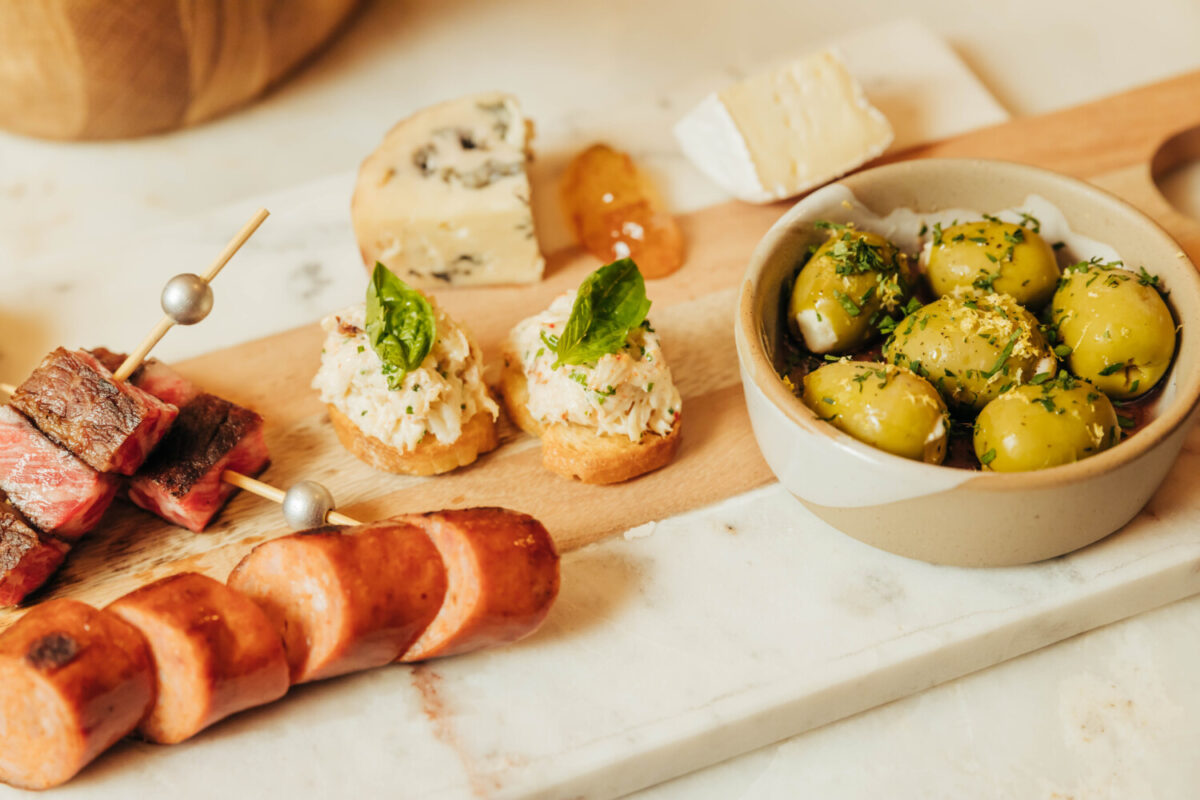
107,69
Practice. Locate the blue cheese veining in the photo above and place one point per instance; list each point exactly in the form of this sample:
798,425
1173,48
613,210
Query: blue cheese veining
435,399
627,393
445,198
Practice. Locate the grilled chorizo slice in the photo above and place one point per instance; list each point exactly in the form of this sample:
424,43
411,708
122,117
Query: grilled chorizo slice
73,680
345,599
214,651
502,572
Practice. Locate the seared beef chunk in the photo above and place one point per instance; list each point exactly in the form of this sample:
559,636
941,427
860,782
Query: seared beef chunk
27,560
54,489
152,376
182,480
76,402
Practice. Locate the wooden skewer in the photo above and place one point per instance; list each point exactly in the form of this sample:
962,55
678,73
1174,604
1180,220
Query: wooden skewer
245,482
276,495
134,360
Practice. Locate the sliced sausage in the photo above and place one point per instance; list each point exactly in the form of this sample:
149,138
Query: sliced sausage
345,599
214,651
502,569
73,680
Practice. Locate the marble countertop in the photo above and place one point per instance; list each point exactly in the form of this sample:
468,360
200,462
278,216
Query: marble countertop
1108,714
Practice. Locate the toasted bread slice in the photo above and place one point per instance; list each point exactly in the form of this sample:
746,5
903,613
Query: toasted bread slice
578,451
430,457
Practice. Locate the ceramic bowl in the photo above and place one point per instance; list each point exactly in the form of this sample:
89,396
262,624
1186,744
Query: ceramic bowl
943,514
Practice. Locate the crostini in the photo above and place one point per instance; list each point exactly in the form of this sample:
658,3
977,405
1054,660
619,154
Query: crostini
403,383
588,376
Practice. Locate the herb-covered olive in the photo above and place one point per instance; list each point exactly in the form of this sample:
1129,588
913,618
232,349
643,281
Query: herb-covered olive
971,346
1035,426
881,404
992,256
1119,329
851,283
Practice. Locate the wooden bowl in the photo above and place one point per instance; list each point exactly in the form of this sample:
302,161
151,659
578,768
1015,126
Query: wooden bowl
943,514
109,69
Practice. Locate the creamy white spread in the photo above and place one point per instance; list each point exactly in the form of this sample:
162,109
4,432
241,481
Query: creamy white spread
625,393
433,400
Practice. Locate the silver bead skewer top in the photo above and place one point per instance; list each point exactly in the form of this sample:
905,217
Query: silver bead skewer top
185,301
306,504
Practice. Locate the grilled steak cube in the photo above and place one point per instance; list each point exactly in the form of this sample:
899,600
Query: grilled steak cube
55,490
27,559
152,376
112,426
181,482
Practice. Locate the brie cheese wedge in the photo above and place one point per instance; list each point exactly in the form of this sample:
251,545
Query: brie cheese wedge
782,132
445,198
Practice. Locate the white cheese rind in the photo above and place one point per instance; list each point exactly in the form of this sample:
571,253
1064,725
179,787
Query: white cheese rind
445,199
711,140
786,131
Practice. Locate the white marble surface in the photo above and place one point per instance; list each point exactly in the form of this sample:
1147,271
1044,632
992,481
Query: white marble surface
1108,714
702,637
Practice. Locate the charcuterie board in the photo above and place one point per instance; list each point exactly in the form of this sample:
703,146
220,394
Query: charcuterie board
692,310
698,585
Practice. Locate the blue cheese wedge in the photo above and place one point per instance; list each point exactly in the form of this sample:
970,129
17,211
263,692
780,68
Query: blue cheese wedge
445,199
786,131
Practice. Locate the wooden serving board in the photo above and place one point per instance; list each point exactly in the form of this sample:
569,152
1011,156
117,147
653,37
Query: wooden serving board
692,311
1119,143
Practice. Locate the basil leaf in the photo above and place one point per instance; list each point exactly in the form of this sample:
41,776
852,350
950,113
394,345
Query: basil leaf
400,325
609,304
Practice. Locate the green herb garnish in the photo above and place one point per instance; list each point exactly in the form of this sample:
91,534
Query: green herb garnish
849,305
609,304
1004,354
401,326
988,457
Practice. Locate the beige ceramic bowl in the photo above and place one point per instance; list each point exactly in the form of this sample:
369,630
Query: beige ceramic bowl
943,514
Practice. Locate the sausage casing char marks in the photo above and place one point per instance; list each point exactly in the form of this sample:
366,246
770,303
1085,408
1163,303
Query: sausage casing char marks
345,599
75,680
502,569
215,653
111,426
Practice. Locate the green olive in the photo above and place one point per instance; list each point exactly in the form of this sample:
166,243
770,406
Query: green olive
971,346
994,256
851,282
1119,329
883,405
1033,427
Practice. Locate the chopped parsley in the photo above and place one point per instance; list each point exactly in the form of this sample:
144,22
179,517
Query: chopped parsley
1004,355
849,305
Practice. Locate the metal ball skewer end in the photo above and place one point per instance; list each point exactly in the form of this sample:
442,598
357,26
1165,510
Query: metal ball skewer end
187,299
307,505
